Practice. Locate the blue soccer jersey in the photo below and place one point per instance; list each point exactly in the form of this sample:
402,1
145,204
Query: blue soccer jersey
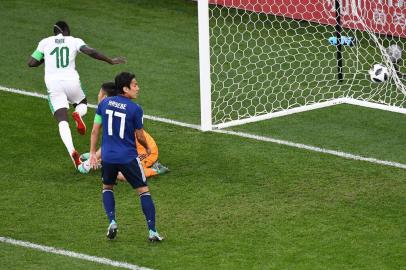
120,118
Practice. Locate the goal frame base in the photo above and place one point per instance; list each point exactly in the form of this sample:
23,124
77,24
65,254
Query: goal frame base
344,100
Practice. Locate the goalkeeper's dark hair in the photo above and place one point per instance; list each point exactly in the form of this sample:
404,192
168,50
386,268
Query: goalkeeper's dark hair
123,79
61,27
109,88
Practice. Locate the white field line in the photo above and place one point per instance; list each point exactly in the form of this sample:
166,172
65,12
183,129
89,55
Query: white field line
160,119
154,118
72,254
314,149
244,135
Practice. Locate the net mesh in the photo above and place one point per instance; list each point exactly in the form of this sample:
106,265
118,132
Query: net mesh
268,56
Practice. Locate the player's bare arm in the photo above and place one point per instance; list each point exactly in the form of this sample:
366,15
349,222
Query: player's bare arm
94,136
99,56
36,59
139,134
32,62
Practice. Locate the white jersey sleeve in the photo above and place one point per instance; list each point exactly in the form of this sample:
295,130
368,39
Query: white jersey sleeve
79,43
59,55
40,47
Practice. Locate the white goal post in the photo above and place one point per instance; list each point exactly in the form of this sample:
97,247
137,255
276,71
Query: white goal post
261,59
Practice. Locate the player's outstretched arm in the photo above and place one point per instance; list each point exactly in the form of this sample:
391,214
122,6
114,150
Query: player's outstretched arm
99,56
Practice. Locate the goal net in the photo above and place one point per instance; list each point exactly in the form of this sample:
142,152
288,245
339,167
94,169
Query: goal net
266,58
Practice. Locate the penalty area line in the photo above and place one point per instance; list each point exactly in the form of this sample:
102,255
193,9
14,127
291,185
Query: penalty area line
243,135
71,254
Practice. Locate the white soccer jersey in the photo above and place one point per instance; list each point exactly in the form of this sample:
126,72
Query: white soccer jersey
59,55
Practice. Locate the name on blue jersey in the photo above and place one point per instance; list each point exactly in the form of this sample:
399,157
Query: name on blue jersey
117,104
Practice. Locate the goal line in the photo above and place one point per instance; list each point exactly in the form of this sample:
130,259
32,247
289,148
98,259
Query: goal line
244,135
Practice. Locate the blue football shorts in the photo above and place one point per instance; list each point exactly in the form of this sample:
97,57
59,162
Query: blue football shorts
132,171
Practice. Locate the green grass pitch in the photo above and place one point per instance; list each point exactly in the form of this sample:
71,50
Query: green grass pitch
228,202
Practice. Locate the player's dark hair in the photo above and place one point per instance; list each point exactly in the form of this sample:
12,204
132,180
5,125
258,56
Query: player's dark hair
123,79
109,88
61,27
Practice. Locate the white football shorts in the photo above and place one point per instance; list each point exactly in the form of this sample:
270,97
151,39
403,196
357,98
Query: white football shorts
61,93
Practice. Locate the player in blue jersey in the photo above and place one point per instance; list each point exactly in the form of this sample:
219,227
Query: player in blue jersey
122,122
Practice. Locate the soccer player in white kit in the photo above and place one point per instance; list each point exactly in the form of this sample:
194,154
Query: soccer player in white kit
58,53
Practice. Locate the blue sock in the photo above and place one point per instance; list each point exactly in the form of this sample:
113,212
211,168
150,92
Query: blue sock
149,209
109,204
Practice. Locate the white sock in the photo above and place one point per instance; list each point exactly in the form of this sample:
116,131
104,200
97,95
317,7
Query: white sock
66,136
81,109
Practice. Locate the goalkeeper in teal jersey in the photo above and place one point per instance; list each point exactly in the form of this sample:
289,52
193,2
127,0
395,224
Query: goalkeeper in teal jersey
122,122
